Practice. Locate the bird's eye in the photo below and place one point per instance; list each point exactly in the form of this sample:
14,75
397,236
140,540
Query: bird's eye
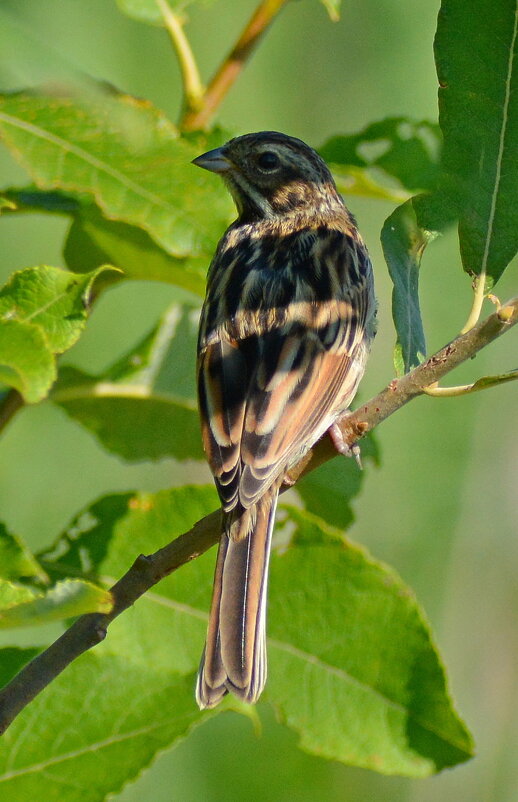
268,160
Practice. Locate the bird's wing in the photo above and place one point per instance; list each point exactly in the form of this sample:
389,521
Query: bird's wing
267,397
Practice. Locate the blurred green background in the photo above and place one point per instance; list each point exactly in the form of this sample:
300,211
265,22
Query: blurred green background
443,506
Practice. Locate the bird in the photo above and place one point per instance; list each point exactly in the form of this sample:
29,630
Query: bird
285,331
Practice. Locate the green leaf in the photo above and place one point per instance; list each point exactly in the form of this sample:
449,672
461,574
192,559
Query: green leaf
476,52
492,381
143,10
404,149
43,311
124,153
149,10
330,490
353,668
143,407
22,607
333,8
32,199
12,660
93,240
127,713
6,204
54,300
26,363
16,561
403,244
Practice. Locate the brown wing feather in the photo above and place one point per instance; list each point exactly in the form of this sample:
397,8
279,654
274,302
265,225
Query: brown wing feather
274,375
291,420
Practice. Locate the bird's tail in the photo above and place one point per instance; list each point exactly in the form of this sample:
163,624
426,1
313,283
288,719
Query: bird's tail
234,658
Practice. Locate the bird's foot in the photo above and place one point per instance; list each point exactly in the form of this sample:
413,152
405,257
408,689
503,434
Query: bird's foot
342,447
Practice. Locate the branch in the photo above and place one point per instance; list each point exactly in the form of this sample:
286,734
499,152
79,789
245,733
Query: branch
90,629
192,85
232,66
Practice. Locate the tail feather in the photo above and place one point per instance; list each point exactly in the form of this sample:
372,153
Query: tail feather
234,658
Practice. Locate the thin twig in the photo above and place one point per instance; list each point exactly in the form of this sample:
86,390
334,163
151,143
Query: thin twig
233,64
147,571
192,85
478,300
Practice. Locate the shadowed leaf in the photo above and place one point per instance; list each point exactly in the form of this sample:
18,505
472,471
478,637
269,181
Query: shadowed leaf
476,52
143,406
403,149
403,245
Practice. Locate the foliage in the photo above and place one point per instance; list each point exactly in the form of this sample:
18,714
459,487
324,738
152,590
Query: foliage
119,170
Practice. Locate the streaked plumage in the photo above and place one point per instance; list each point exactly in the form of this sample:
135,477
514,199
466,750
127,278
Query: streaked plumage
284,335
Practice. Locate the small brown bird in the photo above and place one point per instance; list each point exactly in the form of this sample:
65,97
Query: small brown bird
285,332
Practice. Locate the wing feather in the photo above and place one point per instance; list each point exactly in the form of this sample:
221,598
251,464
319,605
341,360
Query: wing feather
280,368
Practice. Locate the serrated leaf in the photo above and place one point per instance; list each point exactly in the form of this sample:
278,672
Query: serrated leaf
16,561
93,240
26,363
143,407
13,594
54,300
43,311
127,155
403,244
476,52
353,668
127,713
404,149
21,607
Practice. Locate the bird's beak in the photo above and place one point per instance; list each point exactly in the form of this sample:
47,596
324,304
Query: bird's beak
214,160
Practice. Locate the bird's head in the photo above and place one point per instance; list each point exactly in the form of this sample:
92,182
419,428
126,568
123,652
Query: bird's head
271,174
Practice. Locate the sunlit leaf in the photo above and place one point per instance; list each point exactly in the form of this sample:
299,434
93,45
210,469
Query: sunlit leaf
127,155
333,8
349,647
43,311
54,300
127,714
22,607
6,204
354,669
26,362
16,561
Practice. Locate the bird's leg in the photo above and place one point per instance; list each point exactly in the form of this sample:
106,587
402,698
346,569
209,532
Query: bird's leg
342,447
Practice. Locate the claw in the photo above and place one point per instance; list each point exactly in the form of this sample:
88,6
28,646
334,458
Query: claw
342,447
